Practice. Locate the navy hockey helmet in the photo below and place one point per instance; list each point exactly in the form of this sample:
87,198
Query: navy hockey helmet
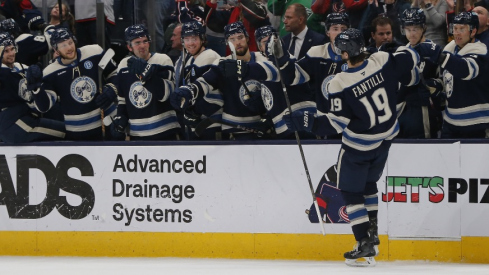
6,39
467,18
337,18
10,26
350,41
413,17
193,28
59,35
136,31
263,32
233,28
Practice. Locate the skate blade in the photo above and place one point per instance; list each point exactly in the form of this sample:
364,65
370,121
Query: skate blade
361,262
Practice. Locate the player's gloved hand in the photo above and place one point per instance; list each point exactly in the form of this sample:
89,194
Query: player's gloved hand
299,121
140,67
390,47
274,49
118,127
182,97
34,19
233,68
428,51
191,119
34,76
435,86
108,96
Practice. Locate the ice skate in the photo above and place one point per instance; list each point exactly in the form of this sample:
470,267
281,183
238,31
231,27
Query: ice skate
362,255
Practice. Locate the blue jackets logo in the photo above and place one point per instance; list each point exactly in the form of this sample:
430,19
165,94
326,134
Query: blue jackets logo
83,89
139,96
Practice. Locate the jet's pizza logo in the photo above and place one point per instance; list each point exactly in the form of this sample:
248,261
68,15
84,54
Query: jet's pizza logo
433,189
17,199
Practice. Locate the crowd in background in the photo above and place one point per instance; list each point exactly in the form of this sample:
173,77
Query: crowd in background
299,23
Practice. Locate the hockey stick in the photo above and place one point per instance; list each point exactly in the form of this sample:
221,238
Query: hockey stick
297,138
182,70
205,123
246,96
60,11
101,67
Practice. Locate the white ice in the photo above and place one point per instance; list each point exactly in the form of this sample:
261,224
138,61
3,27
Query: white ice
191,266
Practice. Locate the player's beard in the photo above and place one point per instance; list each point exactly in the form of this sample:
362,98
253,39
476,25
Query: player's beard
242,51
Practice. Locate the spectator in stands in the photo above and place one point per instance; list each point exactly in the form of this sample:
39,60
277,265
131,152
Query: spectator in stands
68,18
481,8
354,8
85,22
24,13
252,13
19,121
279,8
435,11
176,43
391,9
381,34
300,38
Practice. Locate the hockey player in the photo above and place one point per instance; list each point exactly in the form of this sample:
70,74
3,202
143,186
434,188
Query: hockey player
363,102
19,121
145,81
464,64
73,79
234,88
419,111
31,47
199,62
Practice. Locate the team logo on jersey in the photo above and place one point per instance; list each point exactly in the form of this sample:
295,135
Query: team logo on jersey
83,89
344,67
324,86
23,92
252,85
88,64
267,97
193,72
139,96
448,80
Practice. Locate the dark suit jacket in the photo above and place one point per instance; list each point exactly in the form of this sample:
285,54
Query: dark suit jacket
311,39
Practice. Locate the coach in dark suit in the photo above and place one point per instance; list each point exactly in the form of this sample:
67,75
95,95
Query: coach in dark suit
300,39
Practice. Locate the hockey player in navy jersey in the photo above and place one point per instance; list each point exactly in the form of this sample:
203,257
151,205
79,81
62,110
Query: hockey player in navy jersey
464,66
19,120
73,79
205,105
224,77
145,82
31,47
419,110
363,108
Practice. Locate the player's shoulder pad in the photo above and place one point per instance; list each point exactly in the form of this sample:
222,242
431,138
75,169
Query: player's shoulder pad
160,59
379,58
23,37
206,57
477,48
337,84
123,63
216,62
260,57
52,68
89,51
450,47
320,51
20,66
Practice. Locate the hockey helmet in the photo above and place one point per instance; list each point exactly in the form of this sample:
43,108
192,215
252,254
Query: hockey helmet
233,28
337,18
263,32
193,28
467,18
350,41
59,35
413,17
136,31
6,39
10,26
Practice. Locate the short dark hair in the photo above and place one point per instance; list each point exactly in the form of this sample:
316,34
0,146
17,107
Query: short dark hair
380,21
299,10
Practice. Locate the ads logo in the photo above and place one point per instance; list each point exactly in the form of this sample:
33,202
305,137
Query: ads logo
17,199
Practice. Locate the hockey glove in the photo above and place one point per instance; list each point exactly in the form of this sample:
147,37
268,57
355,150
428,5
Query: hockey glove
34,76
233,68
299,121
108,96
34,19
140,67
435,86
183,97
274,50
428,52
390,47
118,127
191,119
